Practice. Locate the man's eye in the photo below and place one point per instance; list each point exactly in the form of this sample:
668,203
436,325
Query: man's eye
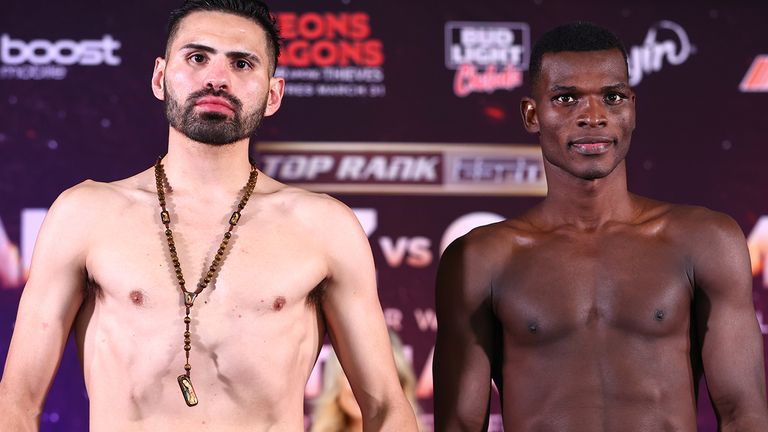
565,99
614,98
242,64
197,58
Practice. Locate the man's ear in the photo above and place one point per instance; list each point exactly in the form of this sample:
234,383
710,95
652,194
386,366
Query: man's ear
275,96
158,79
530,118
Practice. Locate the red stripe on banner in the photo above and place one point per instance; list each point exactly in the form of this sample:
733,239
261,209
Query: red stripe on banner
756,79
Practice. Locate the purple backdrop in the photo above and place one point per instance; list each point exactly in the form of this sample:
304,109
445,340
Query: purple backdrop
404,111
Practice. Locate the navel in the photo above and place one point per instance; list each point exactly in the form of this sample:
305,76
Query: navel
278,303
659,315
137,297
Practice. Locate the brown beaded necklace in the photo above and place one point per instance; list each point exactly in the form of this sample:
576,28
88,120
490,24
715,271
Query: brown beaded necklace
189,296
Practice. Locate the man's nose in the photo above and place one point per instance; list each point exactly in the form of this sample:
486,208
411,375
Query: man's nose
217,76
593,114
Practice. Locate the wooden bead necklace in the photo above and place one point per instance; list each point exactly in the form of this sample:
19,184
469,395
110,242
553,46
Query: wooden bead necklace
185,382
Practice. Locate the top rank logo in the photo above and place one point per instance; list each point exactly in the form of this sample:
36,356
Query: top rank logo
487,56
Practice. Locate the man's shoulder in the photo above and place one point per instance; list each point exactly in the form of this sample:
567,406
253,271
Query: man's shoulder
508,231
311,209
493,242
296,201
80,213
692,222
91,194
90,203
685,214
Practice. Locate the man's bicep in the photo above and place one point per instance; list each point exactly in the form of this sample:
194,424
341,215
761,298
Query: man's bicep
463,351
732,356
731,343
353,313
48,305
57,273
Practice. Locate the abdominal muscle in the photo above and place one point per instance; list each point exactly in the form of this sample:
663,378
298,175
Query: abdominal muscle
249,368
619,382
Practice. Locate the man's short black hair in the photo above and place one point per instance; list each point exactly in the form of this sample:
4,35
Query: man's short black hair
577,36
254,10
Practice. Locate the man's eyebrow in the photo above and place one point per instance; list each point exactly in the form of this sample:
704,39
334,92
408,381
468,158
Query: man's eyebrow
198,47
573,89
615,87
560,89
244,55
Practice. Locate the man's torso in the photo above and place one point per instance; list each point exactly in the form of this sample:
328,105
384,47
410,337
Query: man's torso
595,326
256,330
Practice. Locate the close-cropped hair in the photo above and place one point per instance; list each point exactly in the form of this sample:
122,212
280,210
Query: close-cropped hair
253,10
577,36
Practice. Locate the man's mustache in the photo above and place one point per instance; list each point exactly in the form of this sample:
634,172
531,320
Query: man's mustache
234,101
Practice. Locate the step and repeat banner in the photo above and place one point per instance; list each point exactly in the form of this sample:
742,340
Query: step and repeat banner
406,111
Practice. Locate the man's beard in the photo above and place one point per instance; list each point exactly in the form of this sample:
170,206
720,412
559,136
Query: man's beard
213,128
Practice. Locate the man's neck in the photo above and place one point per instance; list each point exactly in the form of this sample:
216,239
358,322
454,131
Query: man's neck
193,166
587,204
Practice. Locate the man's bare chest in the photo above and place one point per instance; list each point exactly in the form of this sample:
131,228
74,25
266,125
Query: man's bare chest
635,284
265,265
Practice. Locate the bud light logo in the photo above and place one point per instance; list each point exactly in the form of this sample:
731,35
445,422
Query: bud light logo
45,59
487,56
486,43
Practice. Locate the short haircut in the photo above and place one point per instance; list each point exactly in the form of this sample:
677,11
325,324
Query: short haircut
253,10
577,36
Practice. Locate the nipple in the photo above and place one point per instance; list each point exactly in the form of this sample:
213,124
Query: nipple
137,297
279,303
533,327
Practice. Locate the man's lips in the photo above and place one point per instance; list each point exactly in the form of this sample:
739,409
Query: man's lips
212,103
591,145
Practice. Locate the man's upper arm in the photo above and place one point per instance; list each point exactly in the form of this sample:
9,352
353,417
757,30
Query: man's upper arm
731,343
48,305
463,352
356,323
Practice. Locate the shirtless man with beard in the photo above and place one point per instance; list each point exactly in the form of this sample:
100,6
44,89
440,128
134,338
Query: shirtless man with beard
597,310
200,289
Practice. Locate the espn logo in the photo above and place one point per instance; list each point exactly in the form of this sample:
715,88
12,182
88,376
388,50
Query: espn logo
756,79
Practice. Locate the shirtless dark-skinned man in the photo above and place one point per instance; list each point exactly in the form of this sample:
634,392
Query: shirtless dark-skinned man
596,310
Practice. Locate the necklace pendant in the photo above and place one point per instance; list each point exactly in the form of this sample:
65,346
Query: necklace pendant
187,390
189,298
235,218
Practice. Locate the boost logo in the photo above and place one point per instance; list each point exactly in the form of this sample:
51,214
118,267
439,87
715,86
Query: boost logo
65,52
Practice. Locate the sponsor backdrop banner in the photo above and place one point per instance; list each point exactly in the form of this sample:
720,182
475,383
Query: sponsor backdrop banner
406,111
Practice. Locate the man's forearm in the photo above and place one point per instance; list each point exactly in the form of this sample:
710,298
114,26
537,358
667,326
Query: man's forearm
749,422
392,417
16,418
